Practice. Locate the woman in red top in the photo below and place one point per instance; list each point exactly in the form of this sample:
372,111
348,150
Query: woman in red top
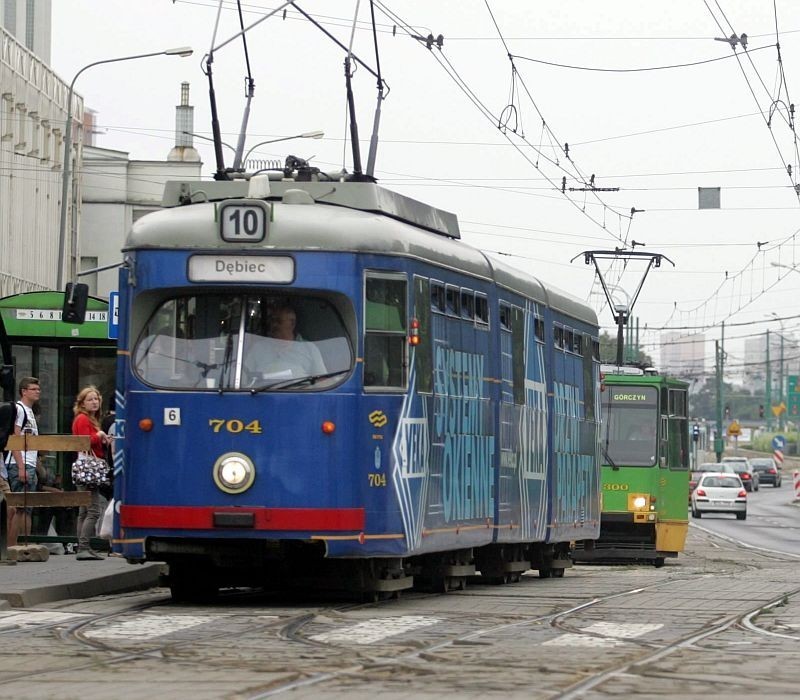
87,422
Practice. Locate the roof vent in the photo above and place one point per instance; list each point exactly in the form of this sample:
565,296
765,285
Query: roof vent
258,187
297,197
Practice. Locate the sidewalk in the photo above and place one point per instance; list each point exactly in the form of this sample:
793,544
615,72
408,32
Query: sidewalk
27,584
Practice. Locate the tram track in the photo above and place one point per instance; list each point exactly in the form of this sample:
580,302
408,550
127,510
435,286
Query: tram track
80,632
259,643
741,619
428,653
567,621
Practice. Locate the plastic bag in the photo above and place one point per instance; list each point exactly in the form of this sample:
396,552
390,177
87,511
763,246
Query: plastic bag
107,524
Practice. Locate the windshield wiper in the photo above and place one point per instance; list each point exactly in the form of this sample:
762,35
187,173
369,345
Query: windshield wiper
291,383
608,457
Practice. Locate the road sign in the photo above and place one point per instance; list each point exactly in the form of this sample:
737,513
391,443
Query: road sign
777,410
113,315
778,442
734,429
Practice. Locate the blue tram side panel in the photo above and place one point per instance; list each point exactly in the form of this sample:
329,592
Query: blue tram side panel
466,416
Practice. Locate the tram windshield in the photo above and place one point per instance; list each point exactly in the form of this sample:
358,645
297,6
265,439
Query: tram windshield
255,342
630,426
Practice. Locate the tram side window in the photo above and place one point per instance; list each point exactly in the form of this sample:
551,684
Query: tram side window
452,300
423,351
588,382
568,340
437,297
679,430
385,330
538,328
467,304
505,317
481,309
558,337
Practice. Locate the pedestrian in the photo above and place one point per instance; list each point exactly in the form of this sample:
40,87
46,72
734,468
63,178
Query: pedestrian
20,465
88,404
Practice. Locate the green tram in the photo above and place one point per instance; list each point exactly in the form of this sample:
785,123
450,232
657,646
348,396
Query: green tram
645,467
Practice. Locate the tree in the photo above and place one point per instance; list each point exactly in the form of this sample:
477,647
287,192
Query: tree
608,351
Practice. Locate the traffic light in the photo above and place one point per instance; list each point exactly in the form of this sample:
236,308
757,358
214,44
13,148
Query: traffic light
761,410
695,432
727,411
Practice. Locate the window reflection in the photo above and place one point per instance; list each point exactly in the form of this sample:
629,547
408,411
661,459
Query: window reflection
630,427
225,341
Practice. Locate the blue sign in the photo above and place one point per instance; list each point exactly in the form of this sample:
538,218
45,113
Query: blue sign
113,315
778,442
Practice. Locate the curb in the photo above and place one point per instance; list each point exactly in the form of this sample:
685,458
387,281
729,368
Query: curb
138,578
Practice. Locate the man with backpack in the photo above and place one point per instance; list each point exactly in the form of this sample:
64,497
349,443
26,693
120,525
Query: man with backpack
19,468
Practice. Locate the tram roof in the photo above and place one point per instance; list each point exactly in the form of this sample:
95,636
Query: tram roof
339,216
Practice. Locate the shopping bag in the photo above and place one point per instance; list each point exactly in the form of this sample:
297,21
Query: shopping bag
107,524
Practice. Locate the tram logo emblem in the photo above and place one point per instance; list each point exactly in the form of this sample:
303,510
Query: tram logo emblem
378,419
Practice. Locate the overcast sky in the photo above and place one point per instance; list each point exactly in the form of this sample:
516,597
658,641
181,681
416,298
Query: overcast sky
631,119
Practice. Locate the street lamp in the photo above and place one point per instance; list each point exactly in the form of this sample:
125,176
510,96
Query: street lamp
182,51
306,135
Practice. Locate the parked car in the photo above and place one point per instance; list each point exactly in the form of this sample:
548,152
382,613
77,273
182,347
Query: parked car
768,472
700,469
718,492
742,467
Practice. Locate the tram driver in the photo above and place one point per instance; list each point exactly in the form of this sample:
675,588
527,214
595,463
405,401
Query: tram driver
284,354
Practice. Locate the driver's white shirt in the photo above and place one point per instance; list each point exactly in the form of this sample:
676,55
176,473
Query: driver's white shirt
272,358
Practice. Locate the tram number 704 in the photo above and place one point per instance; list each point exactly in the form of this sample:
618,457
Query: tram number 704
377,480
234,425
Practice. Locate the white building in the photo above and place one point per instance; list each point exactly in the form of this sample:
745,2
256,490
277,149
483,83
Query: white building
28,21
682,355
116,192
33,102
755,360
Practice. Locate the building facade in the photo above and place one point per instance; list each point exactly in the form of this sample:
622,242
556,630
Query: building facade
28,21
33,112
116,192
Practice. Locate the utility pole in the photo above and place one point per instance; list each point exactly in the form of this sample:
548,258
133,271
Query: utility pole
769,388
718,442
780,388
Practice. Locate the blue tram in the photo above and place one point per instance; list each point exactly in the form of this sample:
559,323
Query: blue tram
318,379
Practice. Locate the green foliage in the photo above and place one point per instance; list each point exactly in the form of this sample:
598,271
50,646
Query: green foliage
608,351
743,404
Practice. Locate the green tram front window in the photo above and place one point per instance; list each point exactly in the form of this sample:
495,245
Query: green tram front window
630,426
246,342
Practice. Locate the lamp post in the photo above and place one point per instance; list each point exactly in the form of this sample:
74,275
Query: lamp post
182,51
305,135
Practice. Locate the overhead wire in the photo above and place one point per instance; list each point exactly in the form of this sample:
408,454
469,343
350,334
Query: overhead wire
632,70
454,74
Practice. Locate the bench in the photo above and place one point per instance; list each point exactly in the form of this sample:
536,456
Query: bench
44,499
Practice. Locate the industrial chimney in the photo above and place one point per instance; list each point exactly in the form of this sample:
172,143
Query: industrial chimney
184,126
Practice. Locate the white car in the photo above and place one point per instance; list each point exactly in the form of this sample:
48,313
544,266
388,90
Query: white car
717,492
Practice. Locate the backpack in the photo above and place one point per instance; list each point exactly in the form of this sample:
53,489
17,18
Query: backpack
8,416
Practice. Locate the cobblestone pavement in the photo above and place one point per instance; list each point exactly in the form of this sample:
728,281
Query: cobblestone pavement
681,631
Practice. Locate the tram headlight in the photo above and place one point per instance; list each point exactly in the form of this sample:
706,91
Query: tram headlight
638,501
234,472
